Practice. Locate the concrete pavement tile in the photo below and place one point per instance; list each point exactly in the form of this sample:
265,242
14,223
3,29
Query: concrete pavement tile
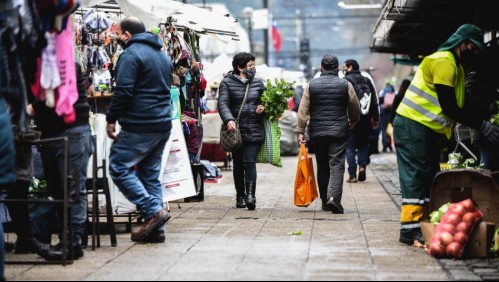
341,276
195,275
412,276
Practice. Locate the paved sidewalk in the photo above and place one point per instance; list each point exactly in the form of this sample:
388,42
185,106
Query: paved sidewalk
213,240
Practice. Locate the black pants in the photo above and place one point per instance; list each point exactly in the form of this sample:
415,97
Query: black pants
330,155
245,163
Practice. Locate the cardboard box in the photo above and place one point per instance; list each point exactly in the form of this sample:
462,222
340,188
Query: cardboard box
460,184
479,243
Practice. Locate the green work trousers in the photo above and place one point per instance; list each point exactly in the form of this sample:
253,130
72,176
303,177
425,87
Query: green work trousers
418,160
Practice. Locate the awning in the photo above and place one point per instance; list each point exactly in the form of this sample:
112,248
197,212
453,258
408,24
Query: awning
418,27
153,12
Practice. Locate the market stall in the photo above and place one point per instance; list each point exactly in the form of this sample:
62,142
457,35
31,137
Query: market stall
180,27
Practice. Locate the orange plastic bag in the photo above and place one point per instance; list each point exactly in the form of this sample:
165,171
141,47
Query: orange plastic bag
305,185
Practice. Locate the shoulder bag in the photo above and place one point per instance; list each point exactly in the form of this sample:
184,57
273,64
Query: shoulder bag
232,140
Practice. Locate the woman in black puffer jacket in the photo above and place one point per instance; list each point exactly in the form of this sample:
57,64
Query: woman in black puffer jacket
231,96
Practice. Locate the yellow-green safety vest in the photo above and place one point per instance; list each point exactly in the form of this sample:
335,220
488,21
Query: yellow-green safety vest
420,102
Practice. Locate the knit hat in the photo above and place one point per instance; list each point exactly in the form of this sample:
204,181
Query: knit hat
330,61
465,32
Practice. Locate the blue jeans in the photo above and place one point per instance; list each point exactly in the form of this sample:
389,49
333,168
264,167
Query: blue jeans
7,151
80,149
141,187
2,254
357,153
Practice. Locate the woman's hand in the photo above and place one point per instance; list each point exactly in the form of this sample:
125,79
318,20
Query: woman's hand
260,109
231,125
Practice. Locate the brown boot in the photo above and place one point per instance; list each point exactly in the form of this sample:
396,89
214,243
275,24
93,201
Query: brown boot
160,218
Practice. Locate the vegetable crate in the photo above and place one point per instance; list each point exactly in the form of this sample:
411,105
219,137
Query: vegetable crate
460,184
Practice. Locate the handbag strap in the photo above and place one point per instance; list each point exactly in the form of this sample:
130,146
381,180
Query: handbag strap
244,101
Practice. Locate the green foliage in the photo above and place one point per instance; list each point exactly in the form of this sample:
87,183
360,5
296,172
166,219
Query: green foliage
469,164
495,118
297,232
275,98
37,186
495,243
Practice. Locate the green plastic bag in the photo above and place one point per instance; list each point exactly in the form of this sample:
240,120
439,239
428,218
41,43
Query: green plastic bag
270,151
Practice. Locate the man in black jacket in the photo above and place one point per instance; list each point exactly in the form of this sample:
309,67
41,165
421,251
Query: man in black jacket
332,107
358,137
141,104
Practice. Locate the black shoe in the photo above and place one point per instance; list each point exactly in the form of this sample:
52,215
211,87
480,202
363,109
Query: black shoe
9,246
325,207
410,237
241,202
362,173
157,236
335,206
250,195
54,253
27,246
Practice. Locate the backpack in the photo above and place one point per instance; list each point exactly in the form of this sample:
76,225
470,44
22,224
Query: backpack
364,94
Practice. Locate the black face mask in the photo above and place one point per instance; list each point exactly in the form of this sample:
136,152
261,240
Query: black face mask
250,73
122,42
468,58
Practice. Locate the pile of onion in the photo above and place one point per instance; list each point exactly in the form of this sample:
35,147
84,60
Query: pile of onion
452,233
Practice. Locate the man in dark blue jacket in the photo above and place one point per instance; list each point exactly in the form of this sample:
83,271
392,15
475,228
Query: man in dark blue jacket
141,105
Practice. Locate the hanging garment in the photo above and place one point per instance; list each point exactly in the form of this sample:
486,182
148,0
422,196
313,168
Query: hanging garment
67,91
50,78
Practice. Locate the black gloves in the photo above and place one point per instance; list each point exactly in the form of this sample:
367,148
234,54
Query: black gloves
490,131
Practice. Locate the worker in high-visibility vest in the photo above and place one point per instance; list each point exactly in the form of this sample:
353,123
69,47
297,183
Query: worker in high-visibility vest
432,105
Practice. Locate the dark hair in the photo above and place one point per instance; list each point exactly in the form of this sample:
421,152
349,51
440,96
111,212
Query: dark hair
352,63
329,62
133,25
241,60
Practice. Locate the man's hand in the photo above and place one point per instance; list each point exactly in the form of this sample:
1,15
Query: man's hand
301,138
110,128
351,125
231,126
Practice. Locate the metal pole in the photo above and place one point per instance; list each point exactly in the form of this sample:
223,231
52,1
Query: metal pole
266,37
250,30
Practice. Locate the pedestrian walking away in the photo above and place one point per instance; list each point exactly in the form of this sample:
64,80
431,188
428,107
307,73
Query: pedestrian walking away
358,137
143,79
331,107
237,84
432,104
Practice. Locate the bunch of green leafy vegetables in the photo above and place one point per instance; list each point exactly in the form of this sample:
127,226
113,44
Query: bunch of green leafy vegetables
495,118
469,164
275,98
